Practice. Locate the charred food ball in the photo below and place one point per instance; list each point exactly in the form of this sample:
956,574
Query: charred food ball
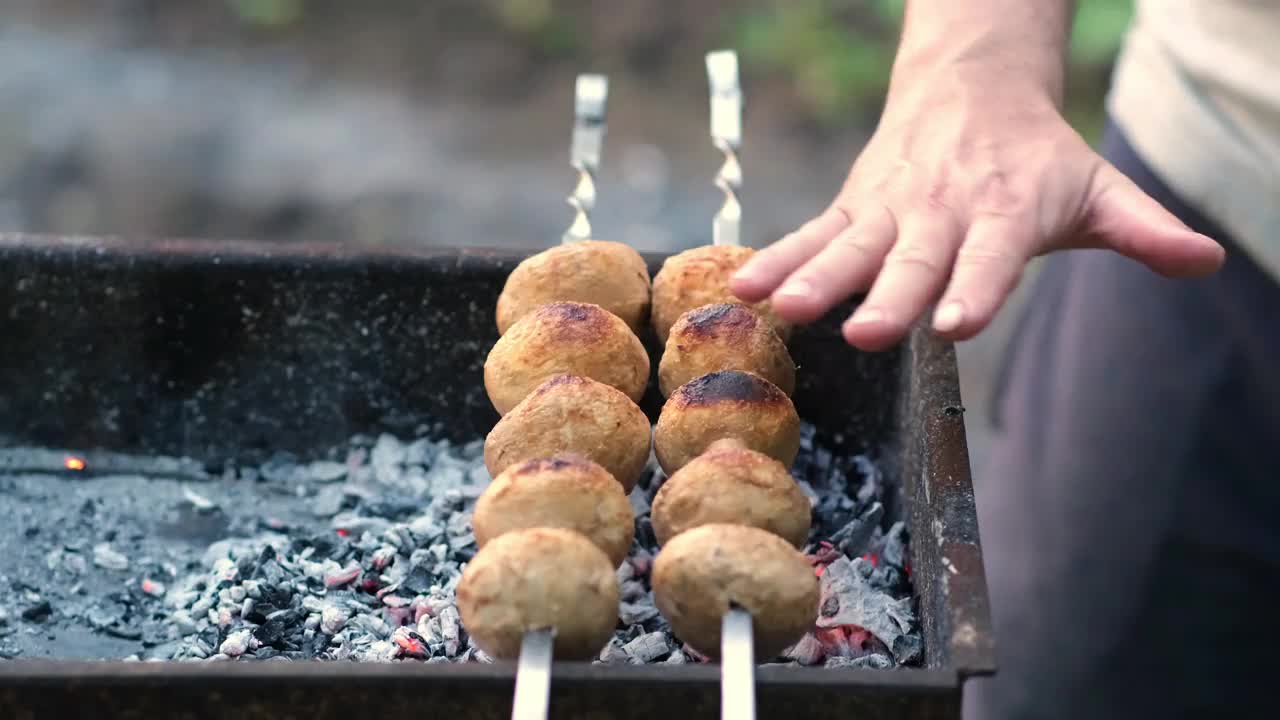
570,413
562,491
724,336
605,273
731,484
537,579
700,276
727,404
564,338
702,573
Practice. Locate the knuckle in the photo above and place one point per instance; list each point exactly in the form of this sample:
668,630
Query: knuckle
914,255
996,195
856,243
984,254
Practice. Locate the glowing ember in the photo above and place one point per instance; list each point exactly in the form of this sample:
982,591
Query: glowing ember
74,463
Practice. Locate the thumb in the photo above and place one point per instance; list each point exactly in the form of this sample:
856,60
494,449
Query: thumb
1121,217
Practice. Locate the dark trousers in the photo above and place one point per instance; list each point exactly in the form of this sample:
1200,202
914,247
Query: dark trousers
1130,508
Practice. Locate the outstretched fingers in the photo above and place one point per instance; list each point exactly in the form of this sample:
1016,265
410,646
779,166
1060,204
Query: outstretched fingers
914,272
848,264
766,269
987,268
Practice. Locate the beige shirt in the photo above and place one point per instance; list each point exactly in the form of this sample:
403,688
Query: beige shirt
1197,92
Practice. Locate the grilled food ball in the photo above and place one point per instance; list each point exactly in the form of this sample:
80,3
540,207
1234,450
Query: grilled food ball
570,413
602,272
732,404
724,336
731,484
564,338
702,573
565,491
697,277
535,579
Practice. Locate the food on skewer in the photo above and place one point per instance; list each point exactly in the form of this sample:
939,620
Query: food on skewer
726,404
564,338
602,272
702,573
535,579
732,484
724,336
700,276
565,491
570,413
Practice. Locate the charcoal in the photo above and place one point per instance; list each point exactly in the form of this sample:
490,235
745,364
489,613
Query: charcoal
613,652
647,648
894,550
854,538
37,612
273,631
848,599
124,633
808,651
329,501
634,613
236,644
362,563
104,556
198,501
875,661
907,649
324,471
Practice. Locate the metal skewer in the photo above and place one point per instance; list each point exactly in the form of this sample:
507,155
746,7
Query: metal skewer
532,696
591,93
737,656
533,676
726,135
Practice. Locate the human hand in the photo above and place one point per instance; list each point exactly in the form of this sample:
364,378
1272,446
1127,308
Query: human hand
960,186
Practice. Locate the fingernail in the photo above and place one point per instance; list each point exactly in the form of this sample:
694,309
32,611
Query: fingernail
868,316
949,316
796,288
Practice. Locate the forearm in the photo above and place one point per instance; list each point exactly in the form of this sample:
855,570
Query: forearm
1018,44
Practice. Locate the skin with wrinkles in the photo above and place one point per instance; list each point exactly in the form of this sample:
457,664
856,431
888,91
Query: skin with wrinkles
970,174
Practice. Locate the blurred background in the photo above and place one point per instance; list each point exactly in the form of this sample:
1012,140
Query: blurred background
447,122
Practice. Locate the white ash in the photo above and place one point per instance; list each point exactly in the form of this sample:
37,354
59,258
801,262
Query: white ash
375,579
357,556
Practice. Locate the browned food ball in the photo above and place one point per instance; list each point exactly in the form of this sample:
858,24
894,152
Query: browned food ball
726,404
731,484
564,338
724,336
700,276
537,579
565,491
605,273
703,572
570,413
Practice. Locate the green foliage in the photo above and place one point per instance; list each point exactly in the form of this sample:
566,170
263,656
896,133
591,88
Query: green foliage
839,52
267,13
1098,30
538,22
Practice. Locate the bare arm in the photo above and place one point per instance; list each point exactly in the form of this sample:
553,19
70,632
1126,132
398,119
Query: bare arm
971,173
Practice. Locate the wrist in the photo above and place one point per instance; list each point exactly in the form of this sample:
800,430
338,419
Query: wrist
952,72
